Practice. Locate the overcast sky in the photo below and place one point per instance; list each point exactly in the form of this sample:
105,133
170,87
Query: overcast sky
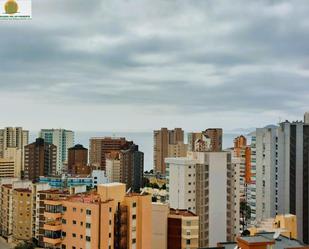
129,65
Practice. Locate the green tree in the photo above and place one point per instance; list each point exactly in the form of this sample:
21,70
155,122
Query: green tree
155,185
245,214
25,245
163,186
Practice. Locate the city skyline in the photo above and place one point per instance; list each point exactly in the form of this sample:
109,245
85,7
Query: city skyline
160,64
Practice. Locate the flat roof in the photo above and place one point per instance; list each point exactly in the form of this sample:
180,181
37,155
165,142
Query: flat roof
26,190
111,184
182,212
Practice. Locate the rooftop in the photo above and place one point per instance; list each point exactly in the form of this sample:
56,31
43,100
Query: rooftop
281,242
24,190
54,191
182,212
7,185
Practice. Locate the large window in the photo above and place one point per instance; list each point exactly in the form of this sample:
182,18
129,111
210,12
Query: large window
53,209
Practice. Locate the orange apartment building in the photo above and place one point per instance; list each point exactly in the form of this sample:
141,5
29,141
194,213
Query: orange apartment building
106,219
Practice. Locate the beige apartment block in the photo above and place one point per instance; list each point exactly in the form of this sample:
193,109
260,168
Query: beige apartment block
177,150
161,139
113,167
22,214
6,215
160,214
183,229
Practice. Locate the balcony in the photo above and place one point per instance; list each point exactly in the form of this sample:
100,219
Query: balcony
53,226
52,241
52,216
52,237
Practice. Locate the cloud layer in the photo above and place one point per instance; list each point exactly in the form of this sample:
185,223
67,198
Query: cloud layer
141,64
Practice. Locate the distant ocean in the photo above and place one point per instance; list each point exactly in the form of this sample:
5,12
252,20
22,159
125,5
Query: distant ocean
143,139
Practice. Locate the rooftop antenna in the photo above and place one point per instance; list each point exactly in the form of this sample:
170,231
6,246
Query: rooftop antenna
129,190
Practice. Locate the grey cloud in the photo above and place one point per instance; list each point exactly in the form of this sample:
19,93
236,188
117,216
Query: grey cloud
197,56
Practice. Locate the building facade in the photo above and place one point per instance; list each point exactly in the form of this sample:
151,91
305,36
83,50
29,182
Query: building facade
63,140
78,160
101,146
162,139
215,135
12,142
40,160
183,230
108,218
203,184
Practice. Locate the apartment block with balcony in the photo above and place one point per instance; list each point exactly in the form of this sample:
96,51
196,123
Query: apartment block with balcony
108,218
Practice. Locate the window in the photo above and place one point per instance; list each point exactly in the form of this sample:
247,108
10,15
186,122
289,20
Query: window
81,236
88,225
74,209
81,210
109,235
64,234
81,223
134,216
74,222
188,242
64,221
134,204
74,235
64,209
88,238
88,212
63,246
133,241
110,222
110,209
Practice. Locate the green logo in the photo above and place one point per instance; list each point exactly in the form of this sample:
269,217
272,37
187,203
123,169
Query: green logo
11,7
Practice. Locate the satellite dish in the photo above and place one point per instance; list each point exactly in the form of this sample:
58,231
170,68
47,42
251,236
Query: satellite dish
277,234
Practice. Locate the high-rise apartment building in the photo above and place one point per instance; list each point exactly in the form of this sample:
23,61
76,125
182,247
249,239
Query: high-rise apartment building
242,154
215,134
12,142
78,160
63,140
162,139
192,138
40,160
203,184
108,218
100,146
177,150
126,166
13,137
267,152
132,167
282,168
